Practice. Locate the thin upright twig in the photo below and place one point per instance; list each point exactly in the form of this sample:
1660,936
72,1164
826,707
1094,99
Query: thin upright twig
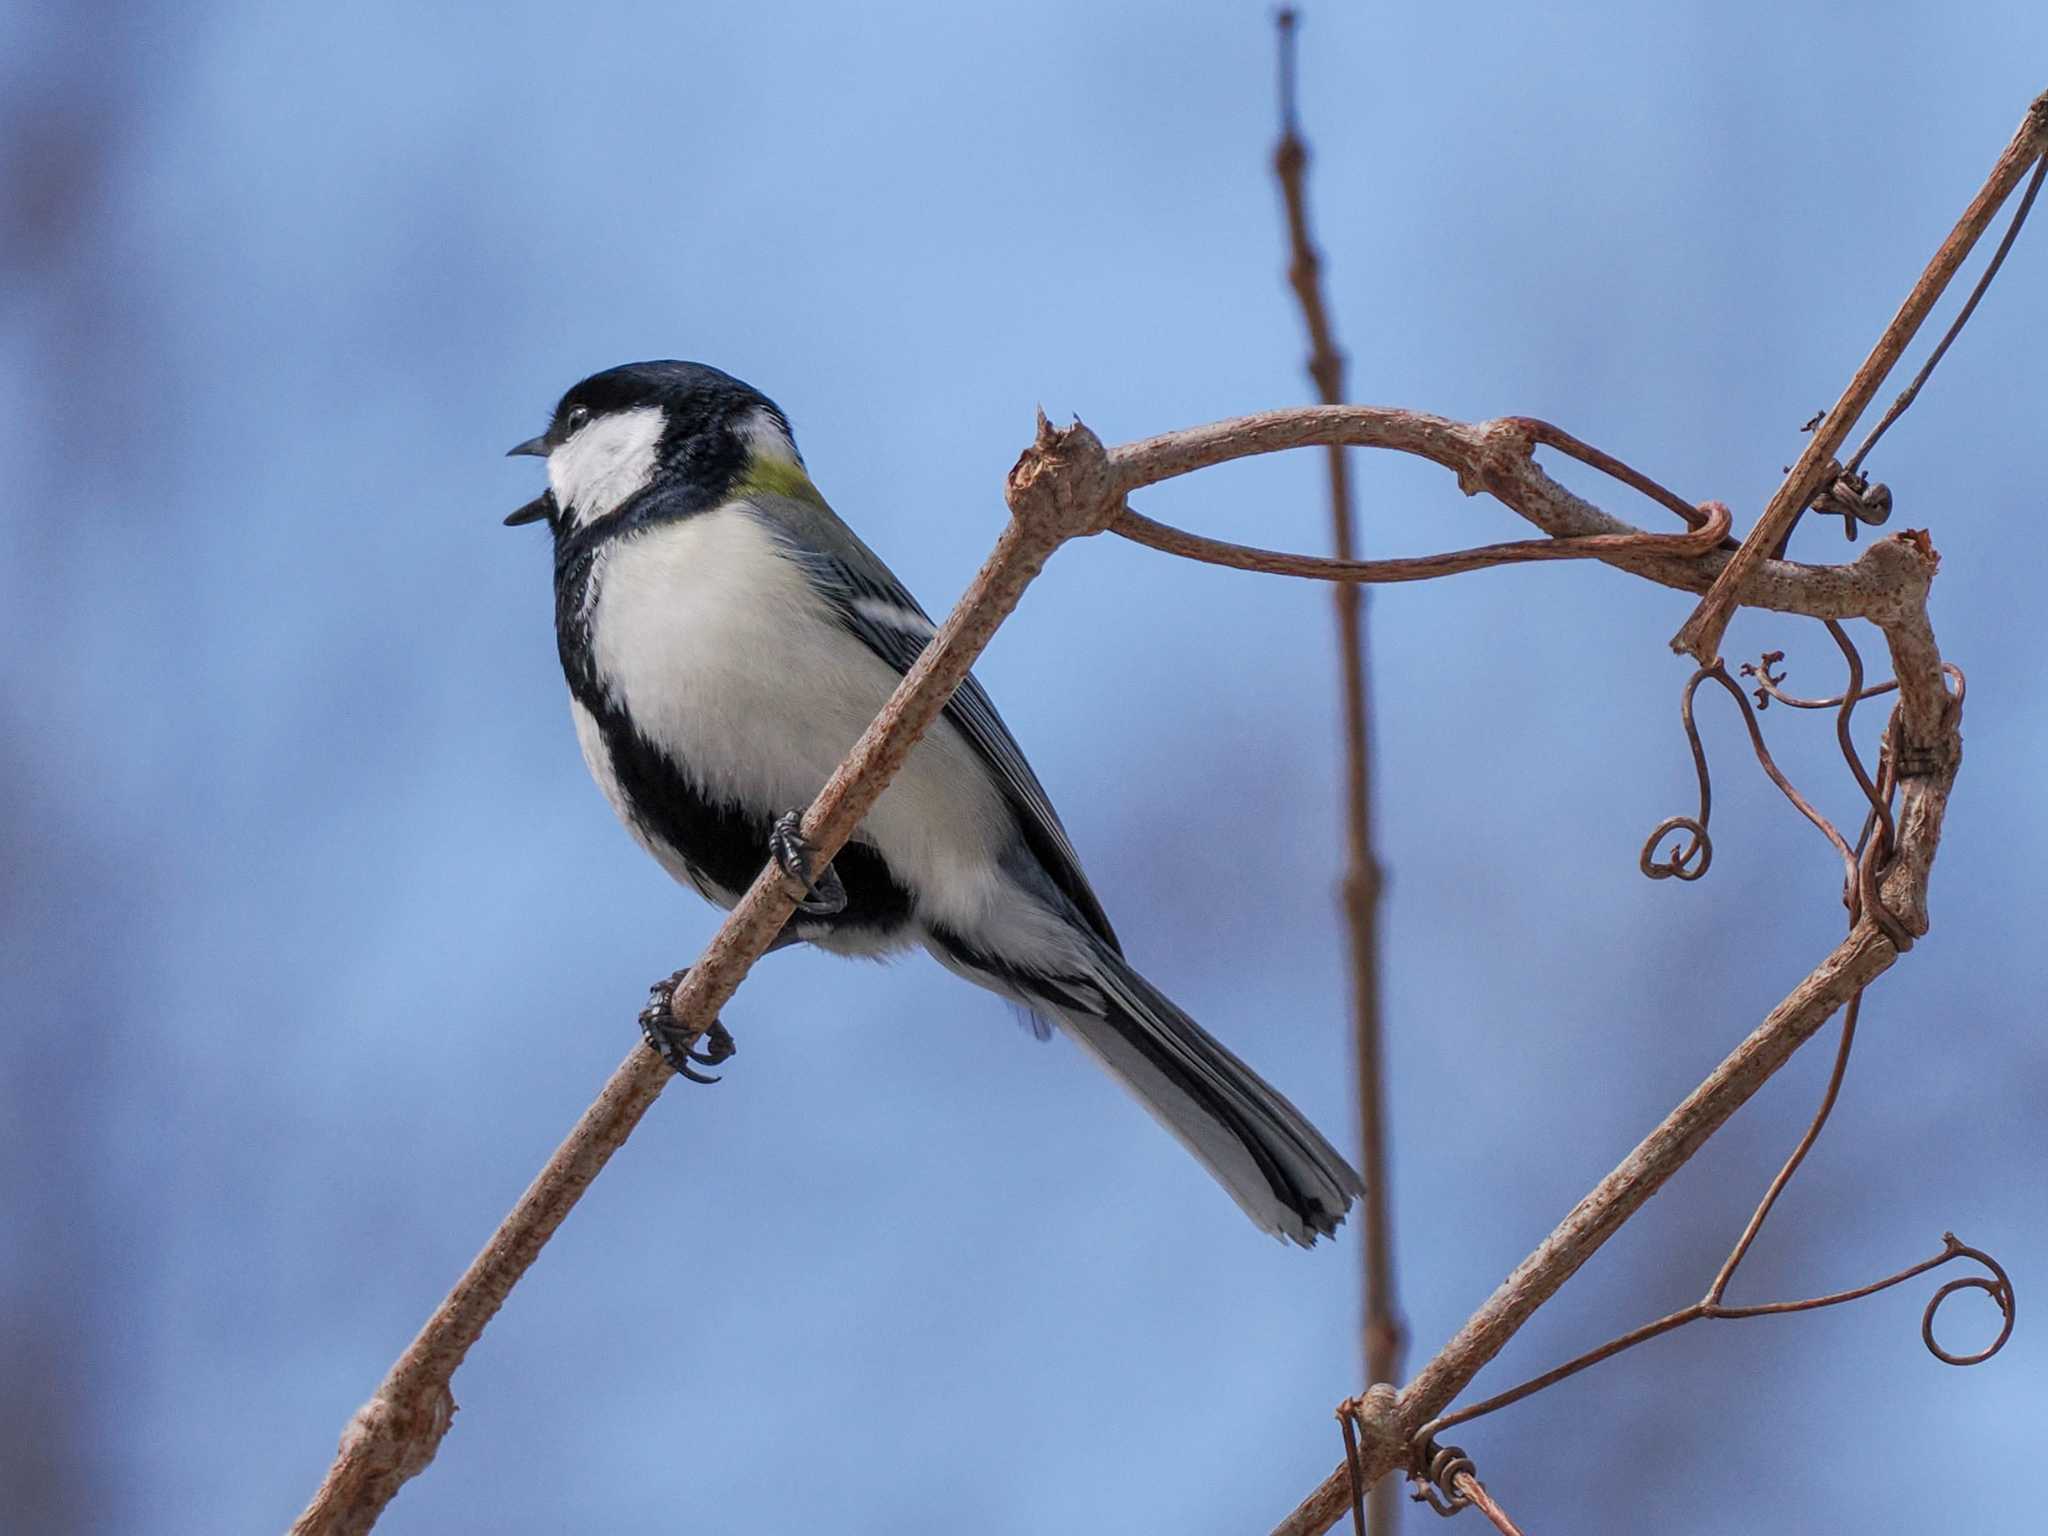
1381,1327
1701,634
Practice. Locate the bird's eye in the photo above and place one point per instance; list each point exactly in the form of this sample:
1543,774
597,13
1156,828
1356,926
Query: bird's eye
577,416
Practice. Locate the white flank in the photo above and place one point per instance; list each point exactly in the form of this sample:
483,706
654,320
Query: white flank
716,646
611,459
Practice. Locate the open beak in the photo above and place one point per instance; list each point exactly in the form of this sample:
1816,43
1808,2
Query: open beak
538,508
534,511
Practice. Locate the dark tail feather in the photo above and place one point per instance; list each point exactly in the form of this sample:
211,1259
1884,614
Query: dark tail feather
1260,1148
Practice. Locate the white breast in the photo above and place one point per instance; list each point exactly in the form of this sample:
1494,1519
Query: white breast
720,653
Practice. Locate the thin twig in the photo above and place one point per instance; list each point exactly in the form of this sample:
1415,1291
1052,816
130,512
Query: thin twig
1912,391
1381,1329
1350,573
1777,1187
1770,686
1701,634
1495,457
1951,1250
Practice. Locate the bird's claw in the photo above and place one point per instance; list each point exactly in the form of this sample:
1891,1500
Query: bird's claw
658,1028
824,896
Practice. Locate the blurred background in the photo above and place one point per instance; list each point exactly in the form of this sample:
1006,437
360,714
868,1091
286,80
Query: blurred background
315,938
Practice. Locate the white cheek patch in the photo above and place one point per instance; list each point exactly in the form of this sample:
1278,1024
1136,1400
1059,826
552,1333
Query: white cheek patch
610,460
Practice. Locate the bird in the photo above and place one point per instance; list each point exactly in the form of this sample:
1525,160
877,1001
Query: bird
726,638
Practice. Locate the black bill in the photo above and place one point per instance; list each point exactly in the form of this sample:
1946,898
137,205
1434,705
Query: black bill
536,510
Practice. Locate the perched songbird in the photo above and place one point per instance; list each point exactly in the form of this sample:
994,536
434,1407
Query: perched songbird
727,638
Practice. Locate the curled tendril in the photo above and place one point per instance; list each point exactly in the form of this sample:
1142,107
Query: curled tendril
1997,1285
1770,686
1441,1470
1679,866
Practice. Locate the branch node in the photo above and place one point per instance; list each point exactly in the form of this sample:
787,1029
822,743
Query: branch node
390,1442
1063,484
1505,446
1903,566
1373,1437
1377,1417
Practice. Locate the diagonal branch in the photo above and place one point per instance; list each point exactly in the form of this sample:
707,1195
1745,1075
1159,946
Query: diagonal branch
394,1436
1701,634
1853,964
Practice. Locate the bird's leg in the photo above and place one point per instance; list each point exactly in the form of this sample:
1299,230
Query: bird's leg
658,1027
824,895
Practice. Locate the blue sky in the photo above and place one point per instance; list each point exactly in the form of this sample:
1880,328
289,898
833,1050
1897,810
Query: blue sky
316,937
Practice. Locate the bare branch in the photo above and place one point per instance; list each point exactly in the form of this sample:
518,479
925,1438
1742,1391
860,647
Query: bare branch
1701,634
1381,1327
1349,573
1495,457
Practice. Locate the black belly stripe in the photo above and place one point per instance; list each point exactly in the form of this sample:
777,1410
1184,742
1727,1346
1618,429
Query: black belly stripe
727,843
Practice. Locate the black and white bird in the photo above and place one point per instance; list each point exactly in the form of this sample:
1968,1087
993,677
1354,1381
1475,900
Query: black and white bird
726,638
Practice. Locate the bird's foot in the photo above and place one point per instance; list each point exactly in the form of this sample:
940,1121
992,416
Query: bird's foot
823,894
666,1040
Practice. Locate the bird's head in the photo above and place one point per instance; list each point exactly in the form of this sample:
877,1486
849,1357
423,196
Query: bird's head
701,433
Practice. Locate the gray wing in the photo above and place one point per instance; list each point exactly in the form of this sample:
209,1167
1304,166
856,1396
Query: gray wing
881,613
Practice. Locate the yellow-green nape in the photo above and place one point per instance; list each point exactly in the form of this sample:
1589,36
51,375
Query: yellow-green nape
770,474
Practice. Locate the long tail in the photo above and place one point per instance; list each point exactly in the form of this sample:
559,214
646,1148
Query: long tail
1260,1148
